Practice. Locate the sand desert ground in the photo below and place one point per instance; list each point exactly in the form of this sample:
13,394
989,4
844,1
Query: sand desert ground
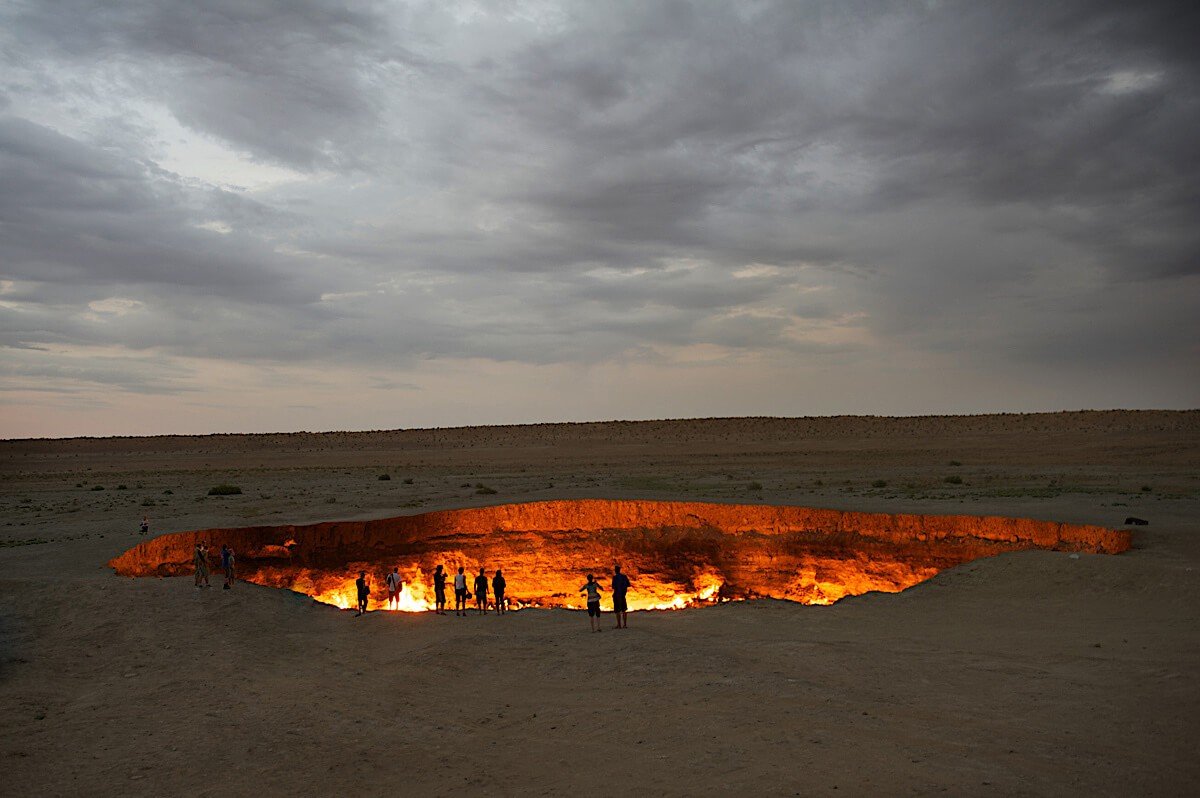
1032,673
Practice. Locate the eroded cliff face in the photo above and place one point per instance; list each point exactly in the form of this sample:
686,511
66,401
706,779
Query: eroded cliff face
677,553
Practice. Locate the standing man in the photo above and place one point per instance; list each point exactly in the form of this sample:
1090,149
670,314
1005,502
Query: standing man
201,559
364,592
227,562
439,591
394,585
620,586
498,586
481,591
145,525
593,602
460,593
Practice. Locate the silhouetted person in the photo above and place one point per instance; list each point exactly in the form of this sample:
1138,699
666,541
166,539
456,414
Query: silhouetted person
620,586
144,527
460,593
201,559
364,592
439,591
394,585
227,562
593,602
498,586
481,591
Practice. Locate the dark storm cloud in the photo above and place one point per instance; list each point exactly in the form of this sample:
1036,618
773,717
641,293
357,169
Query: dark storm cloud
548,183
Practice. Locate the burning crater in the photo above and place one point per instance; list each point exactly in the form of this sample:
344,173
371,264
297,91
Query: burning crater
678,554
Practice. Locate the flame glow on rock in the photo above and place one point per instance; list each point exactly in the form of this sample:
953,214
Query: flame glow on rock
677,554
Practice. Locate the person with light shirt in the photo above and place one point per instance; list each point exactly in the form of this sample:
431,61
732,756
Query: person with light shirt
394,585
460,593
593,602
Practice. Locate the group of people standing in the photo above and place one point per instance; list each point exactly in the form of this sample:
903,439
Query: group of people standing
462,594
227,565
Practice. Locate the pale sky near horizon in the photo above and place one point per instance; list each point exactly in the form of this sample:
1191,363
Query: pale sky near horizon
241,216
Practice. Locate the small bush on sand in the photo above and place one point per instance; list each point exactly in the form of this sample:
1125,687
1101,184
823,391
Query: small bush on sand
754,486
408,481
879,483
122,487
224,490
97,487
385,477
1146,488
955,463
484,490
954,479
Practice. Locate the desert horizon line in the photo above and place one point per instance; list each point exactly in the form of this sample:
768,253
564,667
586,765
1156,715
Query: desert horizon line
597,422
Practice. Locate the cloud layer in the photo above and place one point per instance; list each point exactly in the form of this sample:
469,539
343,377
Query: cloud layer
997,200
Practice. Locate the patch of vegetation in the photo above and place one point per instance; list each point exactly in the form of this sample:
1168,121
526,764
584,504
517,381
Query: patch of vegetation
385,477
484,490
122,487
168,492
1146,488
879,483
224,490
954,463
148,502
754,486
24,542
331,500
97,487
409,481
953,479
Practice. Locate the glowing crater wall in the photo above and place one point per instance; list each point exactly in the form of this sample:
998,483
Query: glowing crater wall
677,553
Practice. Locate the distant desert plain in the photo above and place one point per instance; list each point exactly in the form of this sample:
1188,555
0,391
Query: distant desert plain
1027,673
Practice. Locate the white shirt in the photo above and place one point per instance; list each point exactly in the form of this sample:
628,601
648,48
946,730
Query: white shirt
393,581
460,581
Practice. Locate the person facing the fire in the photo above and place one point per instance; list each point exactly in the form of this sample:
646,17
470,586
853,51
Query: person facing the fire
498,586
620,586
364,592
481,592
439,591
593,602
394,585
460,593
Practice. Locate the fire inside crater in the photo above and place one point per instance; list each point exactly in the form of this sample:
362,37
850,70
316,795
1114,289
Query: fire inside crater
678,554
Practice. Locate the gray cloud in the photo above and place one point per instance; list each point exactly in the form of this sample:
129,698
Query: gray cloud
583,183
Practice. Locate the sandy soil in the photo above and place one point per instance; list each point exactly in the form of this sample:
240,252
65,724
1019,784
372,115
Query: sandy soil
1026,674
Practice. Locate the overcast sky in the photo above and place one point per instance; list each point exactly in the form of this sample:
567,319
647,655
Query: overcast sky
233,215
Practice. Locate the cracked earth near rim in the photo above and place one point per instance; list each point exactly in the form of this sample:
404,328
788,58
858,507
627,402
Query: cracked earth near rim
963,610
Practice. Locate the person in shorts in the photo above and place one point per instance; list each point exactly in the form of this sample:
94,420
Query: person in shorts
593,602
461,593
620,587
394,585
481,592
364,592
498,586
439,591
